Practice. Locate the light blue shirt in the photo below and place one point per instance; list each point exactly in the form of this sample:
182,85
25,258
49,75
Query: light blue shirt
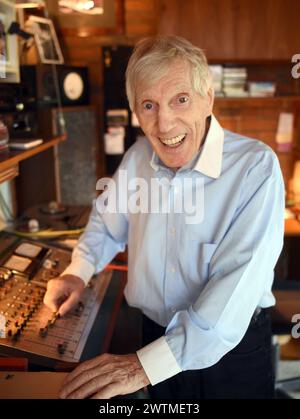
202,281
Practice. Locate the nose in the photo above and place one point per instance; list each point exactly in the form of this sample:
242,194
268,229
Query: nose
166,120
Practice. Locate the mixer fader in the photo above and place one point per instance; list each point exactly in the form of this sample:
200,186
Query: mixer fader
31,329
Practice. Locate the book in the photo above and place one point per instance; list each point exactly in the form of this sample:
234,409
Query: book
24,143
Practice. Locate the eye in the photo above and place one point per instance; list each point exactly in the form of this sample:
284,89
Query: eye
183,99
148,106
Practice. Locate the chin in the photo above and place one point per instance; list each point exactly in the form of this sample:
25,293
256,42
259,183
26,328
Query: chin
173,164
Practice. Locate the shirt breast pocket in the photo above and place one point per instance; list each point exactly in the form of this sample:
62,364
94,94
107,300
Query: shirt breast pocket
198,257
206,252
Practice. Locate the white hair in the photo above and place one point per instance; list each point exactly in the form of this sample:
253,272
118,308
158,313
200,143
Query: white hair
152,58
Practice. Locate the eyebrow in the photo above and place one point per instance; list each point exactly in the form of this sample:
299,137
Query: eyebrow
182,92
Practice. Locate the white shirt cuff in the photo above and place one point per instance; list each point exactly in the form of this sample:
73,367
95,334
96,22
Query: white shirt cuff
82,268
158,361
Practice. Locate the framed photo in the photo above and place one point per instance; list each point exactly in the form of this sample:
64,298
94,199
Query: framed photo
9,47
45,39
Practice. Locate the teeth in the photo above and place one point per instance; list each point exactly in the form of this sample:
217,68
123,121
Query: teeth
172,141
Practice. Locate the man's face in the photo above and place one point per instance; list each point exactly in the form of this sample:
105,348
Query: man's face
173,116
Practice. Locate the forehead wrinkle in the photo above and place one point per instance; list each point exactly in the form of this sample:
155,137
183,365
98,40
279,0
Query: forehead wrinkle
154,93
177,80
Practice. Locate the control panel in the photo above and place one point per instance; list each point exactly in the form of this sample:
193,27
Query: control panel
30,328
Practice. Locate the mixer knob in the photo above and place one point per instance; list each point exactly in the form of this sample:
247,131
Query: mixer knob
16,334
79,309
33,225
55,263
47,264
61,348
43,332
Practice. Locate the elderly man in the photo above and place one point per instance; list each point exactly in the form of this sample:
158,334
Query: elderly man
203,283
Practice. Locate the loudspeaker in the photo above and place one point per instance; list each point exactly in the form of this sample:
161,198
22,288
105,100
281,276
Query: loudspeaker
72,84
76,158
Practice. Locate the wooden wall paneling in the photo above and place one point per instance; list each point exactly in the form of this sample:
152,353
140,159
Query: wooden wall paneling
208,24
141,17
235,29
258,118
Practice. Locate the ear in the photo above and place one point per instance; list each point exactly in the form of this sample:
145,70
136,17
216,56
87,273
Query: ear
210,100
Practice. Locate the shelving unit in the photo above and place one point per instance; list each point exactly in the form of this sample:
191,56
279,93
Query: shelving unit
9,160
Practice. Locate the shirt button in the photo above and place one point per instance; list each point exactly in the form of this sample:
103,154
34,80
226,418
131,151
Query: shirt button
173,231
173,309
173,270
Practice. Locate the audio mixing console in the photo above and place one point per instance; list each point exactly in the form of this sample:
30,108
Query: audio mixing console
30,328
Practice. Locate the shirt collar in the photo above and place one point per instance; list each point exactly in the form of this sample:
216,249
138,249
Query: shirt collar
209,161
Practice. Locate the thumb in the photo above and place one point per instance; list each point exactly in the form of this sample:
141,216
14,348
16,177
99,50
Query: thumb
68,303
51,301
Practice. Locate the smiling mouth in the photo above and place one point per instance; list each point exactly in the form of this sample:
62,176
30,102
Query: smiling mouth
174,141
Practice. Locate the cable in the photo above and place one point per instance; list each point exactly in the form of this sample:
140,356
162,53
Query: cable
49,233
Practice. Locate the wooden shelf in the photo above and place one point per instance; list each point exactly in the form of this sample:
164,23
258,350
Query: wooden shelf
259,100
11,158
248,61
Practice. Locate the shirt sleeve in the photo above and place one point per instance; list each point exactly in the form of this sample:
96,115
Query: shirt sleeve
105,235
241,269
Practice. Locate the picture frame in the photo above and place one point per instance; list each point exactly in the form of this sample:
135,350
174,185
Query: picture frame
110,22
46,39
9,46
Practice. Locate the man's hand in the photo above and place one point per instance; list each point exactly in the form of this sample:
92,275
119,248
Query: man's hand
63,293
104,377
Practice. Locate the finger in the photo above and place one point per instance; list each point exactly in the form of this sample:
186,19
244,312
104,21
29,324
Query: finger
85,376
51,303
107,392
68,303
53,295
88,389
84,366
79,381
